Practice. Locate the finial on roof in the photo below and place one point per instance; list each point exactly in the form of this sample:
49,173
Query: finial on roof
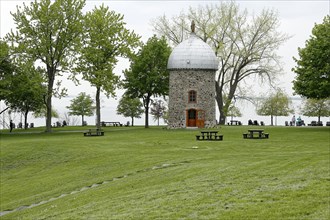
192,26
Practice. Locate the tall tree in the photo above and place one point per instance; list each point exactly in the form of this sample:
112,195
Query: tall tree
245,45
130,107
105,39
47,32
158,110
21,83
277,104
316,108
233,111
6,70
148,75
82,105
313,65
27,91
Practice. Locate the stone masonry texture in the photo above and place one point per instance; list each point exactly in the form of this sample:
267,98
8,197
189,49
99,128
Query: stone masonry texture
181,82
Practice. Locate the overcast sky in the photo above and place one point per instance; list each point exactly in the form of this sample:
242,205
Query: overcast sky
297,19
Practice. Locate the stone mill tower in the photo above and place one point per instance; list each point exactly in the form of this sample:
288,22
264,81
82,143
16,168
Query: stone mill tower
192,65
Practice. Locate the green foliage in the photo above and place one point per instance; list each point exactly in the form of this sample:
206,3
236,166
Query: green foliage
316,108
234,111
130,107
82,105
6,70
313,65
48,32
105,38
148,75
26,89
42,113
277,104
166,174
21,83
158,110
245,45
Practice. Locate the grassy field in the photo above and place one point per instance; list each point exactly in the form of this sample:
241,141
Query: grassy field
138,173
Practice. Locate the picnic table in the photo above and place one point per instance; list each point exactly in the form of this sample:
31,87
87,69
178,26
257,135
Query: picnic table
109,123
209,136
94,132
235,122
259,134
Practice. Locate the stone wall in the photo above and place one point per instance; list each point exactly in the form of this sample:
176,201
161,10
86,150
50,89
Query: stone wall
181,82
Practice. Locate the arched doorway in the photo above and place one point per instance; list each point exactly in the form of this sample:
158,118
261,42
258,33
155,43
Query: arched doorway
195,118
191,118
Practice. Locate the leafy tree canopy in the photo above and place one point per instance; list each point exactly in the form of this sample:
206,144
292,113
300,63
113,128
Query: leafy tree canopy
42,113
6,70
158,110
105,39
130,107
82,105
316,108
48,32
313,65
245,45
148,75
277,104
234,111
21,83
27,91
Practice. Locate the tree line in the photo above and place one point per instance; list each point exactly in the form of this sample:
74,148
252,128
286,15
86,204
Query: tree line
55,38
59,39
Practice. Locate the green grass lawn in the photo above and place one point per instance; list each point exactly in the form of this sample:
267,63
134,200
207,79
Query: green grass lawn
138,173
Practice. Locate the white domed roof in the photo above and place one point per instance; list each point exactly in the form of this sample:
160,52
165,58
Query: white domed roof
193,53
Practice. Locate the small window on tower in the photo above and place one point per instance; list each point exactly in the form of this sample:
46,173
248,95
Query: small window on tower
192,96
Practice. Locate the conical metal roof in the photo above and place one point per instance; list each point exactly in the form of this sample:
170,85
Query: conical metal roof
193,53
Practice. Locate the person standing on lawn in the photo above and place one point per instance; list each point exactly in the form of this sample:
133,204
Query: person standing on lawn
11,125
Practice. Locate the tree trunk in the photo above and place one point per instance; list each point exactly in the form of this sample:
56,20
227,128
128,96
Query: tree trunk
223,107
132,121
98,108
51,78
146,124
271,120
49,109
222,117
82,120
25,119
146,107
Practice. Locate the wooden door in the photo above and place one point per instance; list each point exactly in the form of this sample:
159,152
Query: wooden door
200,118
191,118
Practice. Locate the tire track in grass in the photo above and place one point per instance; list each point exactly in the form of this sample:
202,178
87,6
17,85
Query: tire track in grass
156,167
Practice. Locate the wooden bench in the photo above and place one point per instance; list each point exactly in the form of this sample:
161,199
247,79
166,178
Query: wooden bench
111,123
201,137
204,137
218,137
234,122
260,132
94,132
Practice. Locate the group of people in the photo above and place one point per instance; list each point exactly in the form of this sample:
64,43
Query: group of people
296,122
12,125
